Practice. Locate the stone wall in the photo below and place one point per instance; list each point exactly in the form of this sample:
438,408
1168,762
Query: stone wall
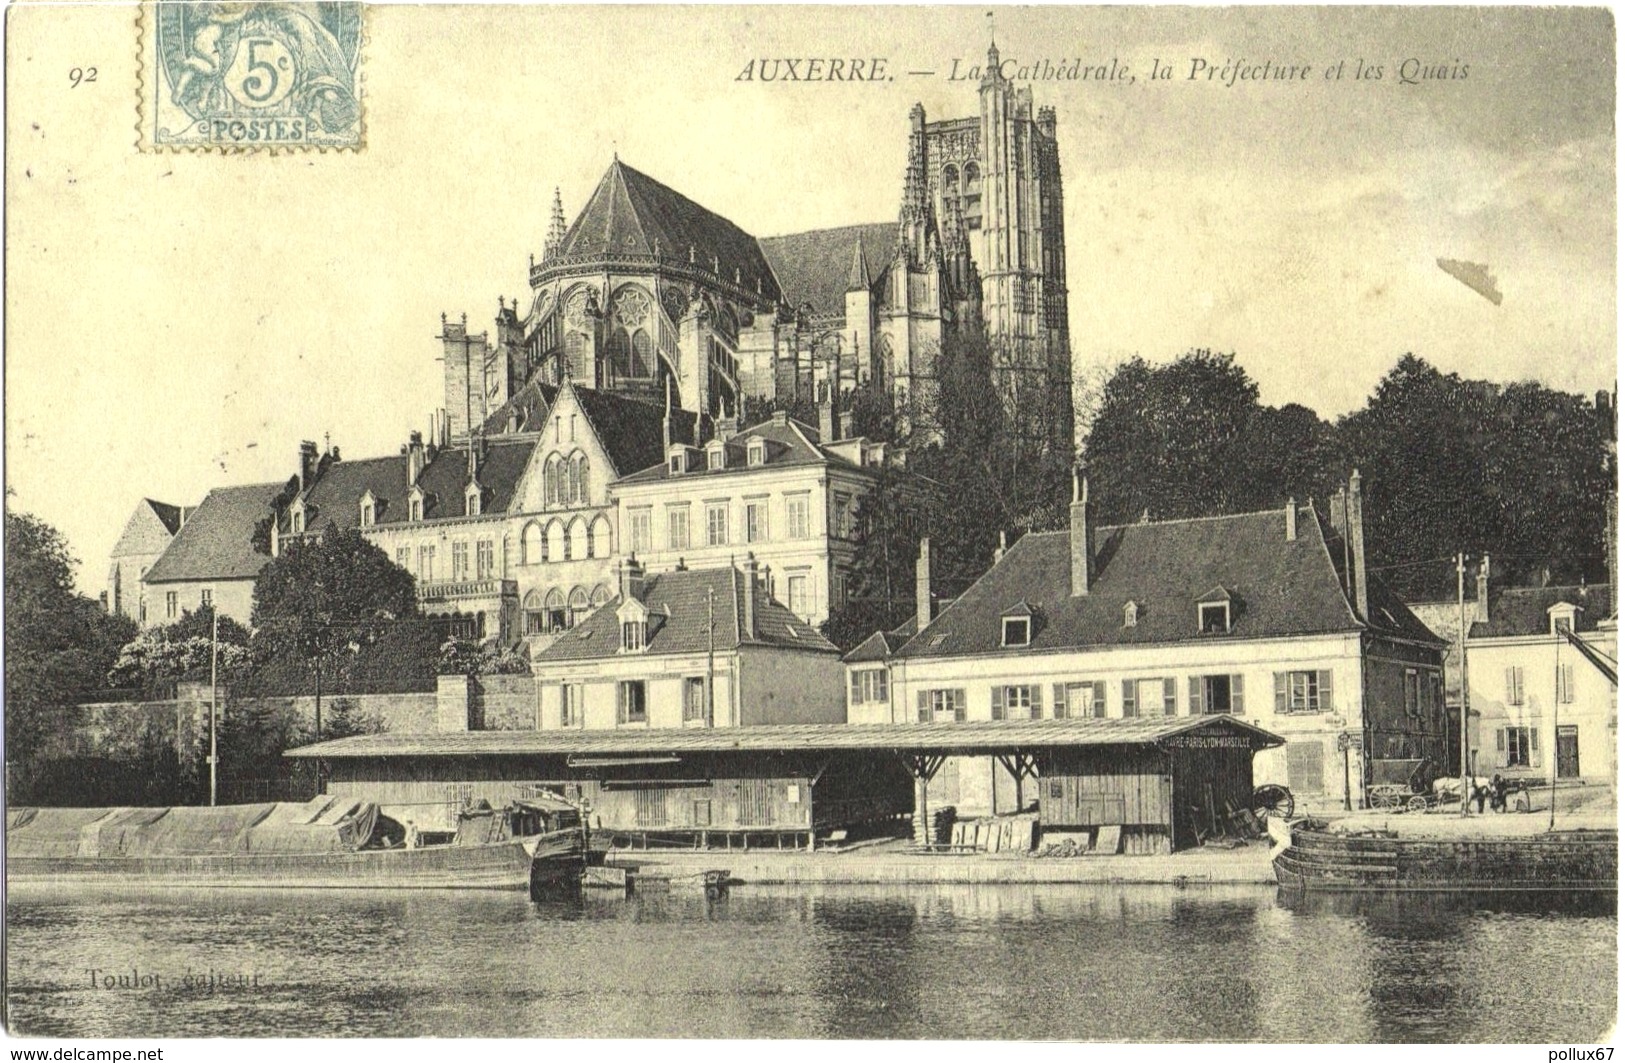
503,703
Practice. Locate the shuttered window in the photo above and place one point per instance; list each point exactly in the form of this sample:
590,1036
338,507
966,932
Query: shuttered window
1018,702
1565,684
1131,705
1303,691
1216,694
941,705
1515,685
1080,699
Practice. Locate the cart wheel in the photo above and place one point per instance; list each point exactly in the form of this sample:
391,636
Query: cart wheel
1417,804
1272,799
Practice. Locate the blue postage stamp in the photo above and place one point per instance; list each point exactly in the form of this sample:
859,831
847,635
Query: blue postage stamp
251,75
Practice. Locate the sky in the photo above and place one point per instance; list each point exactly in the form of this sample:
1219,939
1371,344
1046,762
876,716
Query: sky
178,322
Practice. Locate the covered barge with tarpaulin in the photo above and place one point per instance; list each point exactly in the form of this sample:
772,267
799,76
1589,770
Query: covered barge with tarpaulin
333,841
1160,784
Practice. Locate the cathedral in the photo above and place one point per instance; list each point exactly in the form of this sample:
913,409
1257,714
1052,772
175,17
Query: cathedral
652,296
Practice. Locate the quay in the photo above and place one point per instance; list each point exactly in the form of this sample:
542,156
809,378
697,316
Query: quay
1248,865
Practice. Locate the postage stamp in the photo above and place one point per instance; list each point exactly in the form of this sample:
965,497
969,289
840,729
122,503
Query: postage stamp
262,74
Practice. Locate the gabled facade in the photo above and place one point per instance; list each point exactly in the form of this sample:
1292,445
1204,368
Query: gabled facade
773,490
145,536
1247,615
510,535
690,648
212,560
1543,703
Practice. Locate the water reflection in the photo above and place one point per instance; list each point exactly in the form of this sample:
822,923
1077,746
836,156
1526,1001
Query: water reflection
1071,962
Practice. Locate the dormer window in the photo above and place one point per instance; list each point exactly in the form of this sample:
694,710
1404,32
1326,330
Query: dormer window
756,453
1131,615
1016,626
298,520
1563,617
369,510
677,461
1213,612
634,635
414,505
716,458
472,498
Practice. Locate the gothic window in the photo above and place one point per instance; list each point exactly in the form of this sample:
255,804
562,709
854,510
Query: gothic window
631,309
674,302
578,479
643,360
950,189
973,196
535,617
577,546
600,538
600,595
556,542
552,489
619,352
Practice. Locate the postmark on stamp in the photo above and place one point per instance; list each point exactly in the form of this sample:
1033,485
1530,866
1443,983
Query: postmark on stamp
255,75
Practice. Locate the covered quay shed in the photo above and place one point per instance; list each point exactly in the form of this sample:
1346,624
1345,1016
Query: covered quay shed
1161,778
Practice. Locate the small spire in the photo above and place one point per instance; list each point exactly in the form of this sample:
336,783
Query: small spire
555,227
857,278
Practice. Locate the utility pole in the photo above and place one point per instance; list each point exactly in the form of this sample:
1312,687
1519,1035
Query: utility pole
1557,699
214,699
1461,628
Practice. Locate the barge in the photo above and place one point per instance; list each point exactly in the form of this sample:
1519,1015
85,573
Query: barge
1320,858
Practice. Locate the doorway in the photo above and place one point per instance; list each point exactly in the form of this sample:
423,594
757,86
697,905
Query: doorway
1568,752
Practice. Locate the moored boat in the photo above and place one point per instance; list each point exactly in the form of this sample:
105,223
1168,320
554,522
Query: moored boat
325,843
1321,858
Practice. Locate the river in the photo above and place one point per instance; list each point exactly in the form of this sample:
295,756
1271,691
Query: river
1066,962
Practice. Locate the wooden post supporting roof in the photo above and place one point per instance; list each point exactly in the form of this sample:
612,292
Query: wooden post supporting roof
924,767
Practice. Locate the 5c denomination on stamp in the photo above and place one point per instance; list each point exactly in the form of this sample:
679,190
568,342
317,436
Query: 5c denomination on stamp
277,74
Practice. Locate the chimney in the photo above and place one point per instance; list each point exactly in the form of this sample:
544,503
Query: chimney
1291,520
414,458
1083,554
748,623
1362,602
1482,614
307,464
826,421
727,428
998,554
922,586
781,418
844,424
632,581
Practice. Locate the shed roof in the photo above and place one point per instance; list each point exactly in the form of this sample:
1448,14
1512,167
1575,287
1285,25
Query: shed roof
970,737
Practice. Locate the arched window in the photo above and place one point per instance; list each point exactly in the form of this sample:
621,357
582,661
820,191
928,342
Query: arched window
550,481
532,547
643,354
558,618
578,544
973,196
535,616
580,605
575,355
600,538
619,352
557,546
578,479
600,595
950,189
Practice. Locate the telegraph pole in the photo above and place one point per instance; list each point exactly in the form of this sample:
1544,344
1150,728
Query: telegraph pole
710,658
1461,628
214,698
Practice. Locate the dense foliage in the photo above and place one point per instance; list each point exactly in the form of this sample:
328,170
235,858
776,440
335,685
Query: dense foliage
59,646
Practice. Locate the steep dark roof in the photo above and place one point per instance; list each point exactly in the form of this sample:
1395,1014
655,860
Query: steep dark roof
1277,587
677,605
788,443
531,402
816,267
216,541
171,516
1522,610
632,431
632,213
335,499
444,478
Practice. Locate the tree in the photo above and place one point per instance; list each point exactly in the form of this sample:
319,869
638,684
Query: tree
59,645
160,656
323,600
473,657
890,521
